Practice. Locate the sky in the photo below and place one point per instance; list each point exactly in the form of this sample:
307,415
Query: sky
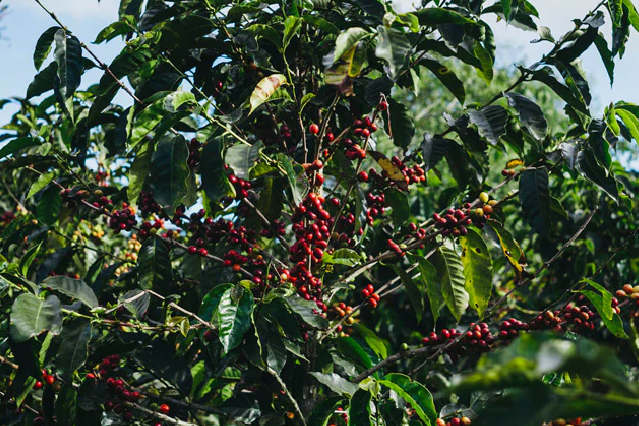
25,21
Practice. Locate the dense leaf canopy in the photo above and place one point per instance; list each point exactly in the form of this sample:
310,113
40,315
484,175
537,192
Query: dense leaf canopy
319,213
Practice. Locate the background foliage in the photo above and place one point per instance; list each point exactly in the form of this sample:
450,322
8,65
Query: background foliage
319,212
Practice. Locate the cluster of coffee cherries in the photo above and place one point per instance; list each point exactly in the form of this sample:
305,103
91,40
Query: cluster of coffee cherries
454,421
394,247
564,422
198,248
375,206
47,378
147,228
312,227
353,150
342,309
628,291
510,329
122,220
193,159
73,196
476,339
277,229
580,318
241,186
7,217
148,205
312,169
109,364
363,128
118,397
369,293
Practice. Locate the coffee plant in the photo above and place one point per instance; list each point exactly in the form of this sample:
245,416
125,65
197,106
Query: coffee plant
316,213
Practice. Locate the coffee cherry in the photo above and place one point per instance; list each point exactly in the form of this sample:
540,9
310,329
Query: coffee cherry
487,209
362,176
38,385
465,421
314,129
366,133
382,106
483,197
164,408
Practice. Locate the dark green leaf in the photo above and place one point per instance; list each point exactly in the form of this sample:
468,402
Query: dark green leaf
48,210
393,47
347,40
292,25
372,340
545,76
446,76
451,272
429,277
271,199
336,383
414,393
66,405
359,410
154,265
530,114
415,291
324,411
31,315
242,158
76,289
398,201
535,199
402,126
43,46
139,171
211,301
275,353
43,81
169,172
432,16
606,56
73,353
490,121
433,149
43,180
214,179
304,308
588,165
17,144
68,56
350,349
297,181
233,316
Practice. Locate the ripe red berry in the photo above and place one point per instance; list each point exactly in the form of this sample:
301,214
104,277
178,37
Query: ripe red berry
366,133
362,176
164,408
313,128
38,385
50,380
382,106
203,252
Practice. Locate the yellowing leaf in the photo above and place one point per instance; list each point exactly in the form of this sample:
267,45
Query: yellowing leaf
265,89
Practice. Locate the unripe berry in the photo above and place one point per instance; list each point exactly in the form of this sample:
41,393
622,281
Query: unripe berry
483,197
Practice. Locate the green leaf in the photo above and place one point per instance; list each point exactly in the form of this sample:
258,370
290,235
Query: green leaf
433,149
31,315
71,287
414,393
614,325
509,246
486,61
292,25
233,316
415,291
336,383
73,353
298,183
344,256
402,126
372,340
139,171
211,301
154,265
606,56
111,31
432,16
68,56
530,114
616,11
545,75
490,121
505,7
359,410
399,202
43,46
393,47
451,272
590,167
265,89
66,406
43,81
242,158
446,76
535,199
173,101
27,260
214,179
478,270
146,121
17,144
606,298
43,180
169,172
347,40
633,16
350,349
430,278
48,210
324,411
630,121
304,308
